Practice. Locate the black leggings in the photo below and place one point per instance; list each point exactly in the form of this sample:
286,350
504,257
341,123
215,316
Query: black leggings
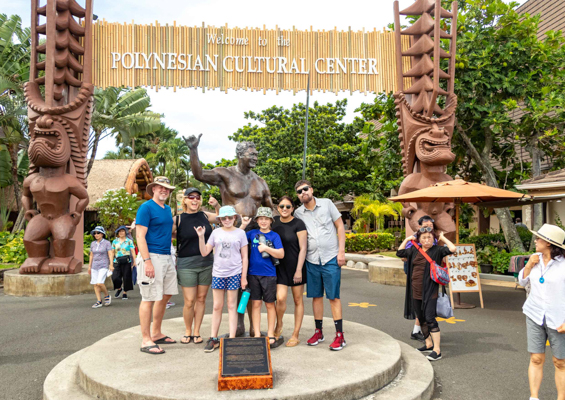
122,272
427,316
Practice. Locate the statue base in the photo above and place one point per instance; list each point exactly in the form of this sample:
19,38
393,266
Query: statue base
44,285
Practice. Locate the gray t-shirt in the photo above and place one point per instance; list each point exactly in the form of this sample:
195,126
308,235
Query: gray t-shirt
99,250
227,251
323,244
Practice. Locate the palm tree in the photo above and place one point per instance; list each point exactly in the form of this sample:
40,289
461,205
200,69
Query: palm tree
123,112
367,210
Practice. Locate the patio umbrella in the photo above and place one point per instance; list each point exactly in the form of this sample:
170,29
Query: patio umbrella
460,191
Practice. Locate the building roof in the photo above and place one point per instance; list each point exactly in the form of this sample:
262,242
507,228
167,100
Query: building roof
550,183
134,175
552,14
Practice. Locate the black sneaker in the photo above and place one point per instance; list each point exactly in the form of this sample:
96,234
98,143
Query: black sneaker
425,349
118,293
124,296
211,345
417,336
434,356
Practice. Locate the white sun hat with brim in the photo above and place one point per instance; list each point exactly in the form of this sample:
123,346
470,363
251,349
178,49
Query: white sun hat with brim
160,180
227,211
552,234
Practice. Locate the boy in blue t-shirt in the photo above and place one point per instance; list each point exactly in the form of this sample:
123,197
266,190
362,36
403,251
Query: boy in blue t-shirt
262,278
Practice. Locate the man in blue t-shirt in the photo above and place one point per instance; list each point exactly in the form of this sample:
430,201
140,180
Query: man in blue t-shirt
157,276
262,276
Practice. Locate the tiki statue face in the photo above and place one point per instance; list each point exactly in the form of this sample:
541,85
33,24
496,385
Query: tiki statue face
433,146
49,143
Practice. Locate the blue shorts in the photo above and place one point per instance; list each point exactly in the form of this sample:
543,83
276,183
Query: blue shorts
229,283
324,276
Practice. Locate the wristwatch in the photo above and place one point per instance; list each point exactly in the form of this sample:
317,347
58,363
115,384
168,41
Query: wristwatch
147,259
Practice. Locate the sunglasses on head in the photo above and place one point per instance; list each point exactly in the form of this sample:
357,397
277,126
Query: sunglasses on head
304,189
283,206
163,180
194,197
425,229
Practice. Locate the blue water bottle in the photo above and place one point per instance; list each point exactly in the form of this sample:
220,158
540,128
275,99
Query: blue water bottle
243,302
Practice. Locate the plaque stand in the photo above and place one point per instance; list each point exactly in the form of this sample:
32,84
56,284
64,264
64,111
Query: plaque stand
236,378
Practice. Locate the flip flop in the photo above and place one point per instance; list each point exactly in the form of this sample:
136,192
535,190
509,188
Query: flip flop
147,349
189,339
278,333
194,339
163,340
292,342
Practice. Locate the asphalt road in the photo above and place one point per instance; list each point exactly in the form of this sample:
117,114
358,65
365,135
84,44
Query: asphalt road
484,351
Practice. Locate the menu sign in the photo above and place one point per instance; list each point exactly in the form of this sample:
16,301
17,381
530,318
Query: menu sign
463,269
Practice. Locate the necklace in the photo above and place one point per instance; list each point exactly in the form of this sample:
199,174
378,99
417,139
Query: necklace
542,279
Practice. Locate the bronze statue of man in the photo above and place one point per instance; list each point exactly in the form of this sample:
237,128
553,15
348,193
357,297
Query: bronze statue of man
239,187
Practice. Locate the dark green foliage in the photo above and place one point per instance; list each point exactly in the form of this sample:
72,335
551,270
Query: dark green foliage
356,242
483,241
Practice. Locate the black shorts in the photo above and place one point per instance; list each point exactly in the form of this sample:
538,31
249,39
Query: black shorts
263,288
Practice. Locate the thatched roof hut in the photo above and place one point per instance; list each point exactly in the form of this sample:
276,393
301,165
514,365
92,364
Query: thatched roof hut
134,175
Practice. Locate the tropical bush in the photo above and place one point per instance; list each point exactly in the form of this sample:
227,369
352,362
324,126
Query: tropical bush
356,242
117,207
483,241
12,250
501,260
88,238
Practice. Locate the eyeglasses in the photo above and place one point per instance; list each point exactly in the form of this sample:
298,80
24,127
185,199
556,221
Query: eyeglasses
163,180
282,206
304,189
425,229
194,197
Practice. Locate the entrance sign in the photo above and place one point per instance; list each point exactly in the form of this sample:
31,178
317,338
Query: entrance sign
464,271
210,57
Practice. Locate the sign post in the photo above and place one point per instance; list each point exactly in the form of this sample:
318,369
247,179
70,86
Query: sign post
464,272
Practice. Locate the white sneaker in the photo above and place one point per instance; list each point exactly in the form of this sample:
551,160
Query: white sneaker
170,304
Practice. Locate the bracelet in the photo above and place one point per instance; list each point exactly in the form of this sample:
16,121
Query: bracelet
147,259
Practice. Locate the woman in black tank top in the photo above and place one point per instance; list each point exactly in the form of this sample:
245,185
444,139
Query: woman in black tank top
194,272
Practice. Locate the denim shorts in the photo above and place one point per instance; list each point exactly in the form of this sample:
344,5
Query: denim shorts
538,337
323,276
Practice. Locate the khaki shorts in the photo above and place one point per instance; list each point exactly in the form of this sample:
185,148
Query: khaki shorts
165,282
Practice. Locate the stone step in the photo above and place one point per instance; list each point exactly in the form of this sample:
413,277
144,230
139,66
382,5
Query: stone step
371,361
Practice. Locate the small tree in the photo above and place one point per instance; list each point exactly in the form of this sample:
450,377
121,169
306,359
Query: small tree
367,210
117,207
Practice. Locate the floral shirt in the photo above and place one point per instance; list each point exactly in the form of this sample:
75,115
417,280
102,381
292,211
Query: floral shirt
122,248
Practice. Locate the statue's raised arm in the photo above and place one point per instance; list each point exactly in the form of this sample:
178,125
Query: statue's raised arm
209,176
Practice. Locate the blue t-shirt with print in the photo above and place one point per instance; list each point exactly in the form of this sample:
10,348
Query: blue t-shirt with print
159,223
257,264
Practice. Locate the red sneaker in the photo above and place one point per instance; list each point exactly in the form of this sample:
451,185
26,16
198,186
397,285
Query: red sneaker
339,342
317,338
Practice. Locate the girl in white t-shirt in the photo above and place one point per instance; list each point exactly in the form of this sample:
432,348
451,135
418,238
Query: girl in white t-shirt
229,272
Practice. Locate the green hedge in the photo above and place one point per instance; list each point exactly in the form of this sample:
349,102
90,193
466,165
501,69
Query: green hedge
483,241
355,242
501,260
12,250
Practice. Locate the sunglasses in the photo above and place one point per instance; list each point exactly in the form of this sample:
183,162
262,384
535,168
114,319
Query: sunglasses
425,229
98,233
163,180
282,206
227,218
194,197
304,189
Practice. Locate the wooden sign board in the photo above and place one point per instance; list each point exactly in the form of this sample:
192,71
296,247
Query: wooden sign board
245,363
464,271
254,59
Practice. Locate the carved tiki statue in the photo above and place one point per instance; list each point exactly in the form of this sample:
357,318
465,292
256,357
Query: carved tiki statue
425,127
59,124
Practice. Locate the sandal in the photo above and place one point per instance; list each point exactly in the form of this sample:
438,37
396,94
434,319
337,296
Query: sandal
147,349
163,340
187,342
292,342
278,332
194,339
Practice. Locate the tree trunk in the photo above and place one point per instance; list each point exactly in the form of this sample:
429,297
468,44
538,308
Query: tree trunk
13,150
536,155
483,162
20,221
132,147
93,152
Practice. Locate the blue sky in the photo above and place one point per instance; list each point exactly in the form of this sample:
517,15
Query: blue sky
218,115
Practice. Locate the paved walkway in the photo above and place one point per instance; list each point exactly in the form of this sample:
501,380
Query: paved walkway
484,350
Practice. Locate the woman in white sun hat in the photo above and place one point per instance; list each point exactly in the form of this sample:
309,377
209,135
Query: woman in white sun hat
545,306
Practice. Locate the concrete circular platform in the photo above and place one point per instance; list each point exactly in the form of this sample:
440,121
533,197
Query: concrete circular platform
43,285
114,368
